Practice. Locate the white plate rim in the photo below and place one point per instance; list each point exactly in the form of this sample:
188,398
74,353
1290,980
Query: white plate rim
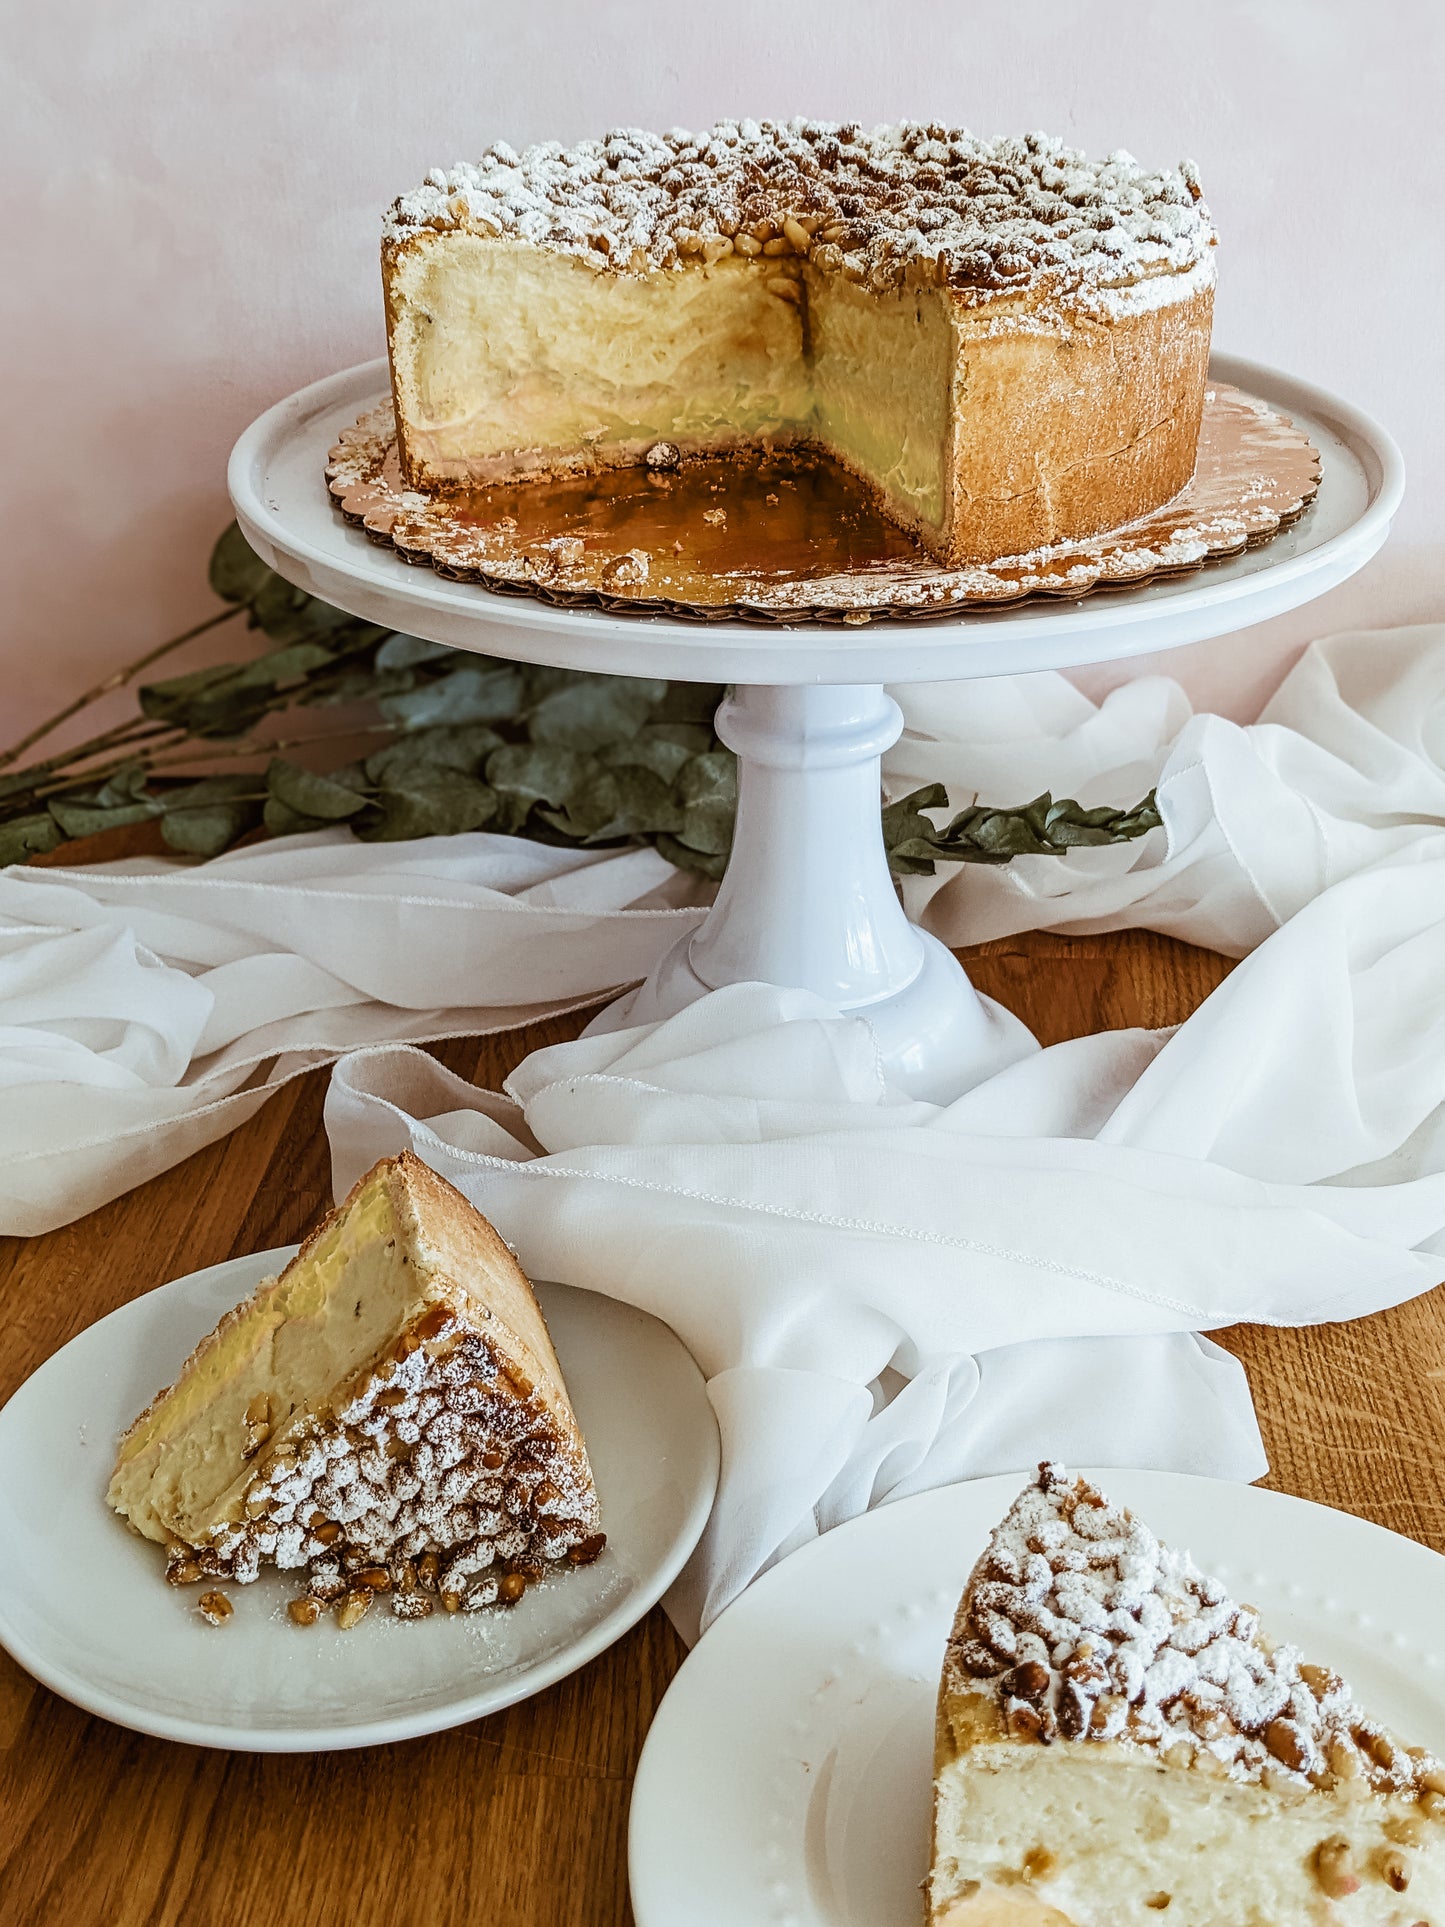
658,1839
247,1270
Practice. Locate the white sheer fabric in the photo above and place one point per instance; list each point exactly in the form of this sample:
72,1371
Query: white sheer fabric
884,1294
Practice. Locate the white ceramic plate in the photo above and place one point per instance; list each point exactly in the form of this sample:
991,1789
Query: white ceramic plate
786,1781
83,1605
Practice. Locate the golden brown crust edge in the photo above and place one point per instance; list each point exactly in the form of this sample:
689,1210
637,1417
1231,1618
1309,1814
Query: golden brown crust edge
460,1237
1103,426
391,252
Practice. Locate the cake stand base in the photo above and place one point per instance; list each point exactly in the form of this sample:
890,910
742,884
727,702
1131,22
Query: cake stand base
808,901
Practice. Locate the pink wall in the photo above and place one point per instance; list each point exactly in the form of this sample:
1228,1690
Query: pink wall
193,196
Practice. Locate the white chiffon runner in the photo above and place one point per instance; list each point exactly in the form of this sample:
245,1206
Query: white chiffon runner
148,1007
883,1294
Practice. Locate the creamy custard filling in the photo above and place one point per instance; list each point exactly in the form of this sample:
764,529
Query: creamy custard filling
309,1331
1097,1837
508,357
501,350
882,366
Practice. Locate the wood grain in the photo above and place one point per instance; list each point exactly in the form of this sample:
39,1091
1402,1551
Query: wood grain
521,1818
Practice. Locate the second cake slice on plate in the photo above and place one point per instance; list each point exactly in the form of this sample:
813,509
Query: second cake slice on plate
1118,1743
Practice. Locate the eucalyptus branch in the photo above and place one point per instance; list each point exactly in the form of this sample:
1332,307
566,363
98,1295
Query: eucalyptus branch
221,752
469,743
110,683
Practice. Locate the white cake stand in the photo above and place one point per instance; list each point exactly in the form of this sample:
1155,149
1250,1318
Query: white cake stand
808,715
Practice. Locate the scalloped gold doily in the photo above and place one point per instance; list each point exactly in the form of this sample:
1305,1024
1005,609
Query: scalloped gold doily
791,537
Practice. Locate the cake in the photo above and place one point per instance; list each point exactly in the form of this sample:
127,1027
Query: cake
387,1417
1118,1741
1005,341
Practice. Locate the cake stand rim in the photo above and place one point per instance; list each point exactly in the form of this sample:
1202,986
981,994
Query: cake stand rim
306,540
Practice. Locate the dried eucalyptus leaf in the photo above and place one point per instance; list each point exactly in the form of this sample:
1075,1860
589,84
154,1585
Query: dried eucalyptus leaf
310,794
279,666
470,695
281,820
1006,833
442,803
237,573
646,751
591,805
707,789
127,785
1067,835
609,805
122,799
908,835
690,702
644,806
229,698
206,832
405,652
1034,814
542,678
358,684
88,819
683,857
1141,819
169,701
463,747
981,834
914,856
527,774
695,738
26,836
207,817
594,711
288,614
1066,810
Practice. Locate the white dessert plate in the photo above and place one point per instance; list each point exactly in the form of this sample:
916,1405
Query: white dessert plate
787,1778
84,1607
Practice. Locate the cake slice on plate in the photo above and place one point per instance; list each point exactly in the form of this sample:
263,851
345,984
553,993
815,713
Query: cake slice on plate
388,1415
1118,1742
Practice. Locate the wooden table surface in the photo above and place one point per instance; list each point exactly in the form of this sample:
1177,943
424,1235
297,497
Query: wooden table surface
521,1818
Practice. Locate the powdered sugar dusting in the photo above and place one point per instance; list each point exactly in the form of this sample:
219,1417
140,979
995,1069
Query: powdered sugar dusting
1080,1624
882,206
435,1460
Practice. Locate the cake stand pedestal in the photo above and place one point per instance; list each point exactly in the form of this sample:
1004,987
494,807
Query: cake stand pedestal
807,900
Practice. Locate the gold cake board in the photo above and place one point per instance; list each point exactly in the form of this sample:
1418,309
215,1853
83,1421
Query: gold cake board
789,536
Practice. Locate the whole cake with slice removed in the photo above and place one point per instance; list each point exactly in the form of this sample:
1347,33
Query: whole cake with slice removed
387,1417
1119,1742
1006,341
